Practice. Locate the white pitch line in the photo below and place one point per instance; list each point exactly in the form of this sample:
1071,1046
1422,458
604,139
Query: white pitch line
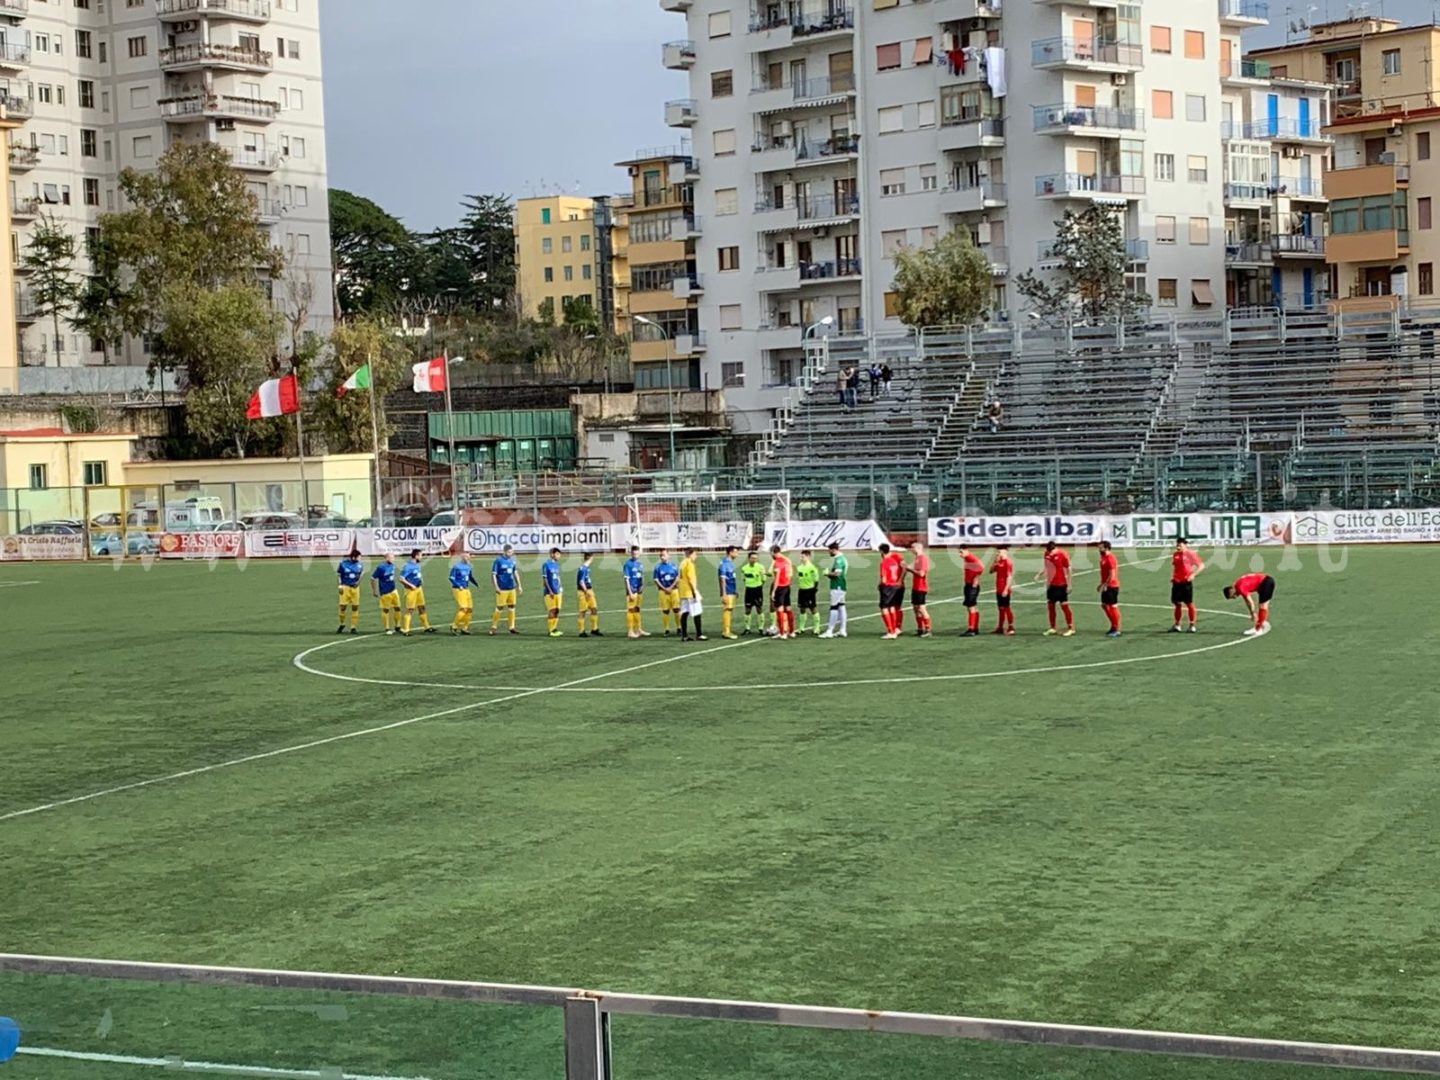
180,1065
16,584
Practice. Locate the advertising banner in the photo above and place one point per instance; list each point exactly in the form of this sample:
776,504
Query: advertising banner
817,535
1367,527
1024,530
1203,530
706,535
202,545
532,539
41,548
300,543
431,539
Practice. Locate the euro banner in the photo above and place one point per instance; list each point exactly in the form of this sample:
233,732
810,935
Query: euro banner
202,545
1025,530
300,543
819,534
1367,527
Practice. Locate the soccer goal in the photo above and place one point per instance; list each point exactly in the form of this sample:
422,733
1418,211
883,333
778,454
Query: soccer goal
713,520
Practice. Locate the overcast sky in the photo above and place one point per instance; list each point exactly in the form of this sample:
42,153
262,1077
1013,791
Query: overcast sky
428,100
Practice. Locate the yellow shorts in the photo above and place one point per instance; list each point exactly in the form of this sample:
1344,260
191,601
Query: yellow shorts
463,600
415,598
390,602
505,598
349,596
728,601
634,602
669,602
553,601
588,604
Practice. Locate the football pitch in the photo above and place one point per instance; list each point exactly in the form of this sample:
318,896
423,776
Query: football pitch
1202,833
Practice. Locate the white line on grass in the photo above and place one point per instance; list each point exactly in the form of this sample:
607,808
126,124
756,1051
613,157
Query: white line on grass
16,584
180,1065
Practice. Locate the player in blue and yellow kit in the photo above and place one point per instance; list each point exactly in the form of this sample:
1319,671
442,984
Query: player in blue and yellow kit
729,590
585,597
382,584
462,577
413,581
351,570
505,573
554,590
634,572
667,580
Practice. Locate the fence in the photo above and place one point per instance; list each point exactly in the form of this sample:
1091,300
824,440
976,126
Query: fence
118,1018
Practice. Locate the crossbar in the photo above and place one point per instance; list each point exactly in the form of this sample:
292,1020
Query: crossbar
1072,1036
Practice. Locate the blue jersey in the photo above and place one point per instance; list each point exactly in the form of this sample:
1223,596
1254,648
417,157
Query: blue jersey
462,575
505,572
385,575
666,575
550,573
412,576
634,572
582,579
727,577
351,571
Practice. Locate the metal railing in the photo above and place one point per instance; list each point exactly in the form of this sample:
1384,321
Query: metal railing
1069,50
837,145
1245,9
219,105
1068,115
1081,183
13,53
252,9
1298,244
824,86
174,55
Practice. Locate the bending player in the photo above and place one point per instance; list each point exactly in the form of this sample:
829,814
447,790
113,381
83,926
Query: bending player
1057,588
1185,568
1004,570
974,572
1109,588
1257,590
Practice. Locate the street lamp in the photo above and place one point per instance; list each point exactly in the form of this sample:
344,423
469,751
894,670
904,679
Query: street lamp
828,320
669,379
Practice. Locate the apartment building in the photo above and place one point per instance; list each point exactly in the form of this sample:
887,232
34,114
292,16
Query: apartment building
572,249
102,85
831,133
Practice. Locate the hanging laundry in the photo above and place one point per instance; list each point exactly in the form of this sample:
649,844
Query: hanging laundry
957,61
995,71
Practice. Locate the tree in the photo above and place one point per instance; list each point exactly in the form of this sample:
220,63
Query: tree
100,307
344,422
950,284
1089,282
489,230
375,256
50,259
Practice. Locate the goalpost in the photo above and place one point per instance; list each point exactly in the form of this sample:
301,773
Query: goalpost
712,520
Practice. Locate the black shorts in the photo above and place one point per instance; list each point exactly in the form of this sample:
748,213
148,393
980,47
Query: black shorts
1182,592
919,597
1002,601
1109,597
1266,591
1057,594
972,595
755,597
780,598
891,596
807,599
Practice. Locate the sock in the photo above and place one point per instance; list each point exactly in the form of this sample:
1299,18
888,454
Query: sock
698,631
594,621
844,620
1190,610
1261,618
727,621
354,617
1051,608
469,618
1115,617
406,624
342,616
887,616
899,619
1069,616
684,624
974,619
630,622
425,619
495,620
512,614
1178,610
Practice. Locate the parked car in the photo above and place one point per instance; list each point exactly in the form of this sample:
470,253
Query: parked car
228,526
60,527
133,544
271,521
445,517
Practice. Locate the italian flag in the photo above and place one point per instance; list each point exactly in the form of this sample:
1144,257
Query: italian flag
359,381
276,397
431,376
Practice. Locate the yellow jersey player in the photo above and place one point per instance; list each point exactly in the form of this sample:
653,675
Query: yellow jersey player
585,597
634,573
505,573
462,577
382,584
667,580
691,605
412,579
554,589
351,570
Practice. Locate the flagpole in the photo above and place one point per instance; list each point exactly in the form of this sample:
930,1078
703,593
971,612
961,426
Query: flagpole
450,432
379,510
300,444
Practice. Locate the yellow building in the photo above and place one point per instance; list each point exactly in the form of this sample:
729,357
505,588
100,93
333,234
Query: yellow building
9,336
45,472
555,254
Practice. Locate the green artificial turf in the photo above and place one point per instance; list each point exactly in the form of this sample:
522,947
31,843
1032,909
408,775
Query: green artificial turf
1239,840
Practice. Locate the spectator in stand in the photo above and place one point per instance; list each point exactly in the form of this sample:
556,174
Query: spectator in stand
874,374
885,376
841,376
995,415
852,387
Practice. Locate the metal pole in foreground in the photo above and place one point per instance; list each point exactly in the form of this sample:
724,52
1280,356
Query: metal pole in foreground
300,445
450,436
377,512
587,1040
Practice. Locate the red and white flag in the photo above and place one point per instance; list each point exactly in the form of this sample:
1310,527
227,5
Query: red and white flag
277,397
431,376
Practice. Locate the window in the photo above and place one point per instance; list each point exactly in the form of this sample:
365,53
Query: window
929,236
730,317
727,201
1199,230
568,273
1162,104
1195,107
1427,279
138,46
1390,62
887,57
88,142
139,97
719,24
1164,166
729,258
545,216
143,147
722,83
1160,40
38,481
87,94
584,240
892,181
1422,212
892,305
585,271
929,178
44,94
892,119
925,114
92,191
293,99
104,52
547,245
1166,292
1200,292
732,373
549,274
1422,146
83,46
891,241
94,473
724,142
1165,230
567,244
1194,45
1197,167
924,51
284,47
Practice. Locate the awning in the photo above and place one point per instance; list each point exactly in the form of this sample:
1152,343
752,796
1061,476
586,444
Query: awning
824,223
805,103
1201,293
924,50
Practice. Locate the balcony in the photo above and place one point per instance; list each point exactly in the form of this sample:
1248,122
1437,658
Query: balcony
837,270
1247,194
26,209
839,148
13,56
694,226
964,196
1137,250
773,277
253,160
998,256
1366,180
1298,247
689,344
772,335
775,30
953,10
1301,189
681,113
269,211
180,58
678,55
1071,119
23,158
675,5
1249,255
1087,186
807,212
972,133
1085,54
1375,246
971,71
825,90
249,11
1244,13
202,107
16,108
683,288
15,9
1245,73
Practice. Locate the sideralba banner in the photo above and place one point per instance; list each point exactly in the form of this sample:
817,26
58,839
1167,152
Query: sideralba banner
1367,527
817,534
1021,531
41,548
202,545
1124,531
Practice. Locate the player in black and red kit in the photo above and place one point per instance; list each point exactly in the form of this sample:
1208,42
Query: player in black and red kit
974,572
919,571
1004,570
892,591
1057,588
1257,590
1110,588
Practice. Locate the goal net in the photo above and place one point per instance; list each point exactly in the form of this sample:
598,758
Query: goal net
712,520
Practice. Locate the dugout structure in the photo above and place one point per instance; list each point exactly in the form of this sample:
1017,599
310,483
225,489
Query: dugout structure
713,520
